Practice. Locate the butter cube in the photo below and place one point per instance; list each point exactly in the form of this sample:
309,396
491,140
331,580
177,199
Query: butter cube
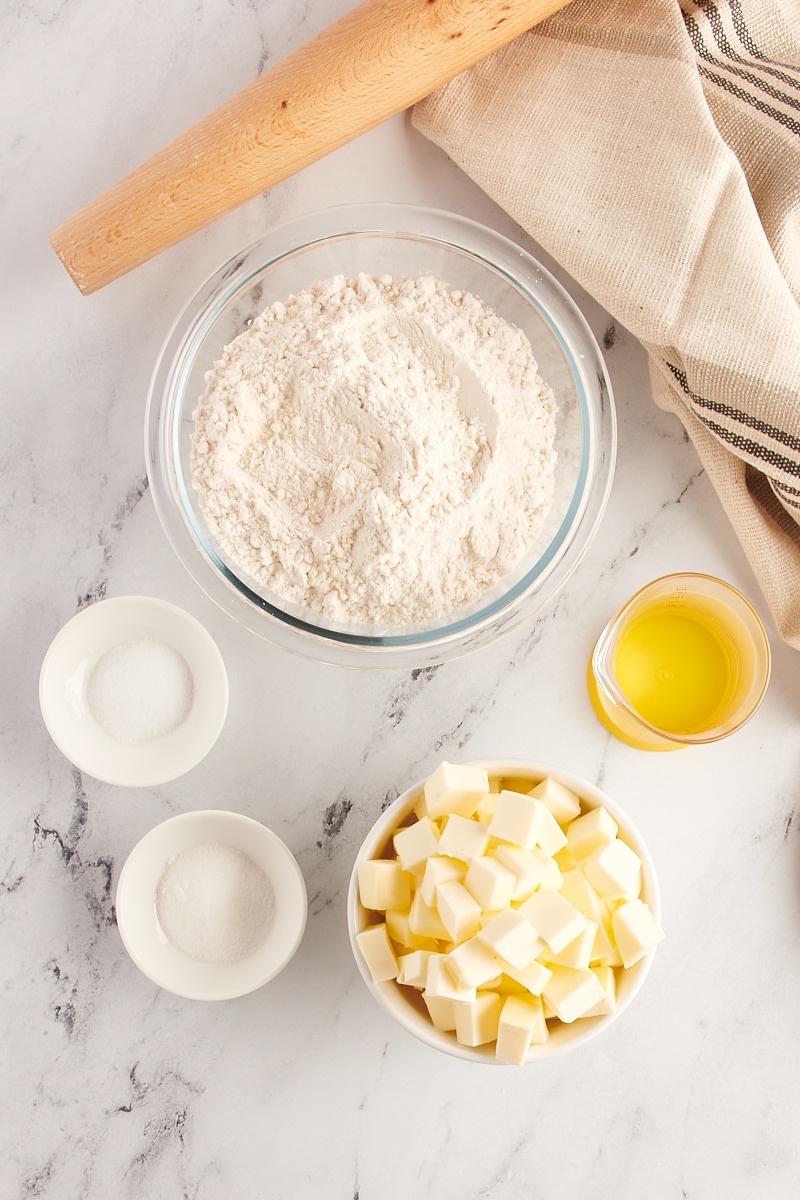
477,1023
608,1004
439,869
377,952
415,843
459,913
399,931
517,818
382,884
553,918
570,993
504,985
472,964
533,869
455,789
576,888
412,969
564,860
486,806
551,837
578,952
604,951
463,839
562,802
512,938
440,982
615,871
533,977
519,1019
490,883
425,921
441,1011
587,833
636,931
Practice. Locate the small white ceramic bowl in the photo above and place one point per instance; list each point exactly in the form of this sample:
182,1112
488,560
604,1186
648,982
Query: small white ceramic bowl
406,1005
146,942
67,669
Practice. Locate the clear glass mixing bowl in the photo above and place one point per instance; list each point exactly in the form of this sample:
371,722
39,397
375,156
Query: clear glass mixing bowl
398,240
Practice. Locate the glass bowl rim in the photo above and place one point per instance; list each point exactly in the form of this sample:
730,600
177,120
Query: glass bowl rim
448,637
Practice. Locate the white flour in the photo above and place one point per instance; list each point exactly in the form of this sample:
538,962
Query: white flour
376,449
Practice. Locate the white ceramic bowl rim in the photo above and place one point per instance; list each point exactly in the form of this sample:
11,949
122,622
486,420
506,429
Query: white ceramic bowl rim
175,971
365,646
414,1021
67,667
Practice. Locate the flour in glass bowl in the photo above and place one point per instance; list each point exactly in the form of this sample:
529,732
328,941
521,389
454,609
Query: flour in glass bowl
376,449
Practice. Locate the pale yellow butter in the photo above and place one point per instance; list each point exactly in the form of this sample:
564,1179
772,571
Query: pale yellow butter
463,839
472,964
585,834
440,869
416,843
486,806
615,871
553,918
578,952
517,818
533,869
489,900
458,911
399,931
477,1023
576,888
562,802
636,931
412,969
570,993
533,977
608,982
441,1011
551,837
520,1018
440,982
377,952
512,938
490,883
382,884
425,921
455,789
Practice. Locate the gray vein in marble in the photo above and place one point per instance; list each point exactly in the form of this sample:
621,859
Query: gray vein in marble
163,1106
333,820
405,692
98,899
107,539
640,533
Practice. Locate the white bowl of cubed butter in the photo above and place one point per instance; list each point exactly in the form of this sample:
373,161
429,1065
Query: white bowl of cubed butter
504,911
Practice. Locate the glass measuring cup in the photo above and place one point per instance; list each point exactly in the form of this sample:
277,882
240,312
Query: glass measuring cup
686,661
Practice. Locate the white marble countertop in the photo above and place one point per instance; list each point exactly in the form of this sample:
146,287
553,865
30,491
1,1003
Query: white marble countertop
113,1088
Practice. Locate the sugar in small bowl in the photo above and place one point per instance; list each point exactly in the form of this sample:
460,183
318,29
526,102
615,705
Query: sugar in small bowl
211,905
504,911
133,691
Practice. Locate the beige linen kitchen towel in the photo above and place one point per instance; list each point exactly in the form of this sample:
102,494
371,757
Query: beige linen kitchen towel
652,147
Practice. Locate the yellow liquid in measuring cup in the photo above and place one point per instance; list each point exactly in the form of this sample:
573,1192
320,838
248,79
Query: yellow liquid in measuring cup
679,668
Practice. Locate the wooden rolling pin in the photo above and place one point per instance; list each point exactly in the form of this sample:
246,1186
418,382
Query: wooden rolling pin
376,61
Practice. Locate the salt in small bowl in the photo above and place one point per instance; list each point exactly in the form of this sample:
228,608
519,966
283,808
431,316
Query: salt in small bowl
67,670
146,941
